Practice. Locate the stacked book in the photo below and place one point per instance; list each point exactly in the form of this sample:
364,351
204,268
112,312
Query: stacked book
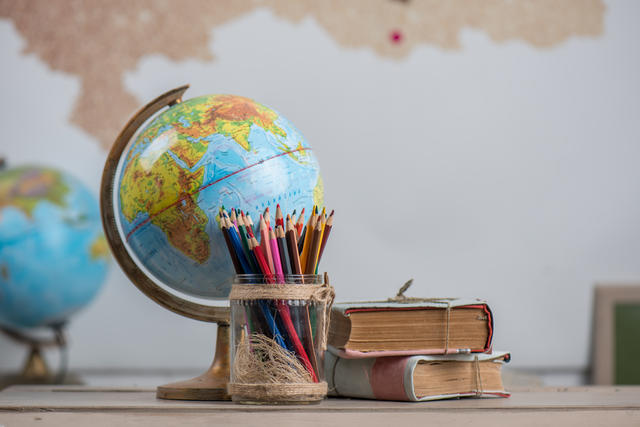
413,349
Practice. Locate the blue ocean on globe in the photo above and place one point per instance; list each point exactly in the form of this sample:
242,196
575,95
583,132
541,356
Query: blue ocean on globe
192,159
53,254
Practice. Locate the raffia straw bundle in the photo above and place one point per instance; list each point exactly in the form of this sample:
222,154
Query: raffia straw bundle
260,360
263,371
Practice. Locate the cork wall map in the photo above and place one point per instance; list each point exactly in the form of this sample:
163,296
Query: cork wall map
100,41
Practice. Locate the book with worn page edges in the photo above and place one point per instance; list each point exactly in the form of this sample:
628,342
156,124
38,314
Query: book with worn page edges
416,378
411,326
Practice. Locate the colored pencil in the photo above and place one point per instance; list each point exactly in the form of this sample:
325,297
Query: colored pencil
252,255
300,239
264,243
267,216
271,323
300,224
233,217
311,225
285,313
314,249
282,249
248,221
325,237
279,218
323,222
251,313
302,312
275,252
262,260
235,240
292,245
257,251
244,241
232,251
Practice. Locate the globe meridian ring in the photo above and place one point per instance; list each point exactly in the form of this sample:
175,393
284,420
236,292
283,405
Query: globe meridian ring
161,294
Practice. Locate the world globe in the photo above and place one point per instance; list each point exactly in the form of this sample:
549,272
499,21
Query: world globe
189,161
53,254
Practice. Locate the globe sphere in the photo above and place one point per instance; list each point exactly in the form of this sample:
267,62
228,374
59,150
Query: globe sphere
189,161
53,255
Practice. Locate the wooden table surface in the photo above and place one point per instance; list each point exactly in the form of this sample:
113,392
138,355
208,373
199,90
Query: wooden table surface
96,407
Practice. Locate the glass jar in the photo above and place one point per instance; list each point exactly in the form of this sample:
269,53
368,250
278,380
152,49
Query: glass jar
278,334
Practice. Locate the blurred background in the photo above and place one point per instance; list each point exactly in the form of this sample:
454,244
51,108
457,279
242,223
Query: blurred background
485,149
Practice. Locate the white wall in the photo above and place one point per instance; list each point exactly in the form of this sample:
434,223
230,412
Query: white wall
500,171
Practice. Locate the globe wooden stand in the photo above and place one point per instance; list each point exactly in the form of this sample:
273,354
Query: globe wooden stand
212,385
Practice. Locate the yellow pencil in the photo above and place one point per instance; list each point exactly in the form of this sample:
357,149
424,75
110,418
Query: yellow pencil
322,224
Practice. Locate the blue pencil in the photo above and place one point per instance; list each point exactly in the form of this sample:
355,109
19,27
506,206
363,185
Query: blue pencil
235,241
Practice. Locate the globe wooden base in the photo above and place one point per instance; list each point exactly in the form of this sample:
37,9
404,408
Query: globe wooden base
35,371
212,385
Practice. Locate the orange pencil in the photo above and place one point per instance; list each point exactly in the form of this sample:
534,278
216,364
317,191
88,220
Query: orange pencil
308,238
314,248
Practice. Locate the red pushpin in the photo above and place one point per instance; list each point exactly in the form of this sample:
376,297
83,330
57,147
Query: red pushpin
396,36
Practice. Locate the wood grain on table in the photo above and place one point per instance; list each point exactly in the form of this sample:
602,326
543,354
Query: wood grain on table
73,405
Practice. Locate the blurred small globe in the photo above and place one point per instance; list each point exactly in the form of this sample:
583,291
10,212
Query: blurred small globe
199,155
53,254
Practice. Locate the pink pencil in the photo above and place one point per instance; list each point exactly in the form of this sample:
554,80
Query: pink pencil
264,243
275,252
267,217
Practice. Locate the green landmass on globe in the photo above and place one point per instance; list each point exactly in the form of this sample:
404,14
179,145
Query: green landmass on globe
193,158
53,255
26,190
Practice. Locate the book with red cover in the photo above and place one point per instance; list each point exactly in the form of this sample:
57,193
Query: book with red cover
411,326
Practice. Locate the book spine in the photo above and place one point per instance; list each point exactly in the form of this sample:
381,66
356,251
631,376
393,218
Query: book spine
373,378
